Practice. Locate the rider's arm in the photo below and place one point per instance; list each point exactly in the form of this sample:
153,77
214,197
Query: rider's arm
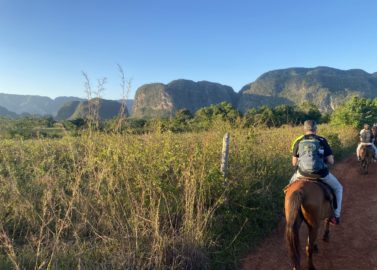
330,159
361,135
295,152
294,161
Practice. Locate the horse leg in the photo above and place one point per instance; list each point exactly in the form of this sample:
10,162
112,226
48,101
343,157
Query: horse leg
326,235
313,231
366,166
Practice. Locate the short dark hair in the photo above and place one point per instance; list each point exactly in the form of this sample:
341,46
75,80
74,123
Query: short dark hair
310,125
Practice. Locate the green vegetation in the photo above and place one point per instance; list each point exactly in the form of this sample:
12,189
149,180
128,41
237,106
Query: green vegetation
30,127
182,121
205,118
356,112
150,201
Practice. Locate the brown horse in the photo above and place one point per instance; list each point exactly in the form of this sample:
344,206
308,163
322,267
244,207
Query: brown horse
366,156
305,201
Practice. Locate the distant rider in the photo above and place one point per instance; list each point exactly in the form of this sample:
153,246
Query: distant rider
311,153
366,138
374,133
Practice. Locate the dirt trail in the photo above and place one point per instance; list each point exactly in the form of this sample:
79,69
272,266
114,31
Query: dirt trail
353,244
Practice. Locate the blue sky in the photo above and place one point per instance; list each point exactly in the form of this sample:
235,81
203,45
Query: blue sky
46,44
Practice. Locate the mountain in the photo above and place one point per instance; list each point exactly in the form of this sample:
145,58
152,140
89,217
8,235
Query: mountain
79,109
6,113
31,104
160,100
67,110
324,86
129,104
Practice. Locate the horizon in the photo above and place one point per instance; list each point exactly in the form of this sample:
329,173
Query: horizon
48,45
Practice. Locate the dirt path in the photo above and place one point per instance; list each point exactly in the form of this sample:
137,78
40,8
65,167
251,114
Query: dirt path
353,244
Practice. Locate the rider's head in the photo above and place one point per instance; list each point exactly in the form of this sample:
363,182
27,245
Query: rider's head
310,127
366,126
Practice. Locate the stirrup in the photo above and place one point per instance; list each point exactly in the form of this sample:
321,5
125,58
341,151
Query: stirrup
334,221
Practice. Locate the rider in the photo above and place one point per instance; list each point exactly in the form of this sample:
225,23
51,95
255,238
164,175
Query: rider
374,133
310,153
366,138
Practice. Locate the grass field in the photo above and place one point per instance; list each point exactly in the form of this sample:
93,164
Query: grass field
152,201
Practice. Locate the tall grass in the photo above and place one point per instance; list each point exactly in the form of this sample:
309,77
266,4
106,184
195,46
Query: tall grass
153,201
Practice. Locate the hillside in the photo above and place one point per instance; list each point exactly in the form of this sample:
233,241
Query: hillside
157,99
31,104
67,110
129,104
75,109
326,87
6,113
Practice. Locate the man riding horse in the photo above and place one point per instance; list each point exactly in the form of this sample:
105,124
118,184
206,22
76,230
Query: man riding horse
366,138
311,153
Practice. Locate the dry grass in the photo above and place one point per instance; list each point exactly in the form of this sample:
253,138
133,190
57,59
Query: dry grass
154,201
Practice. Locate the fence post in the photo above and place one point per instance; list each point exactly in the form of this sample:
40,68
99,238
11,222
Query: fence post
224,155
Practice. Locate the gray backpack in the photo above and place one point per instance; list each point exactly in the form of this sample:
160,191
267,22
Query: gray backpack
365,136
311,159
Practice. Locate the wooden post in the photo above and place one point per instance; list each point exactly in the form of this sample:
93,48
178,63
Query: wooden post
224,155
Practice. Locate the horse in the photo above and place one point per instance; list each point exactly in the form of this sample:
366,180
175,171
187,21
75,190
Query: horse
366,156
305,200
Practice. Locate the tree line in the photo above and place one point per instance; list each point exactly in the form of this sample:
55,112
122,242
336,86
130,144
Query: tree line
354,112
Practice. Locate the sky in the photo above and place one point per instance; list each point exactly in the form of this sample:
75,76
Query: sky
46,45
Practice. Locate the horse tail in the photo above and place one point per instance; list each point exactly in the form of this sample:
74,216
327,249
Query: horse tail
294,219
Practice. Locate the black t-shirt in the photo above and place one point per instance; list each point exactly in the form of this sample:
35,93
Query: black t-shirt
323,143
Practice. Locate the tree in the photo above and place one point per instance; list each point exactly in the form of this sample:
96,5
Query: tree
223,110
356,112
311,111
181,121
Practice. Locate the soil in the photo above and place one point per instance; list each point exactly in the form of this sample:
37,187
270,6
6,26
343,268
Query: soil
353,243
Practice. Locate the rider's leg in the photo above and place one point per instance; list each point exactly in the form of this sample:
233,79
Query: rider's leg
375,150
294,177
331,180
358,150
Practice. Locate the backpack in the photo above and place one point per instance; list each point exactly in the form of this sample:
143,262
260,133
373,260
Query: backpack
311,160
365,136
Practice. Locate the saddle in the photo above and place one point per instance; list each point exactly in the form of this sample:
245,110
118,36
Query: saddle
369,146
327,190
